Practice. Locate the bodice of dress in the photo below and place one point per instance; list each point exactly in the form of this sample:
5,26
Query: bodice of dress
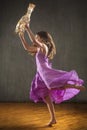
42,60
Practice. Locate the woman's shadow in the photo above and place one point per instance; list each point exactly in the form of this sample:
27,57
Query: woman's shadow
28,127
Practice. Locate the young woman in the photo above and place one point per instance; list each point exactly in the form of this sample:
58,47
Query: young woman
49,85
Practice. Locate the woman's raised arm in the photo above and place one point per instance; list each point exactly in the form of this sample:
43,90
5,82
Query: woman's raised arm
32,37
26,45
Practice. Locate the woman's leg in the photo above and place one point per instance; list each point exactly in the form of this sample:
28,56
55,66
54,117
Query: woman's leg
82,88
51,109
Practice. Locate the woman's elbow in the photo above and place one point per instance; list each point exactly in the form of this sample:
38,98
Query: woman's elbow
26,48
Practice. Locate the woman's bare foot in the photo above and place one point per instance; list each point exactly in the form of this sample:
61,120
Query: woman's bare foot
51,123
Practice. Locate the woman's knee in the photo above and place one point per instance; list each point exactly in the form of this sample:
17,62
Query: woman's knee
47,99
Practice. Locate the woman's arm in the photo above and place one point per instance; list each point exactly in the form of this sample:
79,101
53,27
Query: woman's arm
32,37
30,34
32,48
26,45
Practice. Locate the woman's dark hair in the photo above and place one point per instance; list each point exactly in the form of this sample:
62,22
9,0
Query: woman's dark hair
47,40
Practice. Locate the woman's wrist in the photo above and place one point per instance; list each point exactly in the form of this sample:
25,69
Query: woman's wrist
26,26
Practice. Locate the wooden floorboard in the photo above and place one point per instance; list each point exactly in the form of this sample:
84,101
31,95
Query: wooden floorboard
31,116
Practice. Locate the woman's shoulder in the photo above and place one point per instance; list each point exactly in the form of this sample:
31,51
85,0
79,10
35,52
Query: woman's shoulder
43,50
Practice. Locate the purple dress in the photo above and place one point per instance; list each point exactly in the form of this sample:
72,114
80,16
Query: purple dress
46,77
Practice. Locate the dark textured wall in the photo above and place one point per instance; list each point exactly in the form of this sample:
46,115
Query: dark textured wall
66,20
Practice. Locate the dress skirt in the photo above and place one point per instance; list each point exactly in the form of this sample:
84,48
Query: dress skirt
47,77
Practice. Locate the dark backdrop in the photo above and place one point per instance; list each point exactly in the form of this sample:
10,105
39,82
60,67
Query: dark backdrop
66,20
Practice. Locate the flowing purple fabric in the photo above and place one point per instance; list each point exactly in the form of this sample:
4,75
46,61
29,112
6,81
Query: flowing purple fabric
46,77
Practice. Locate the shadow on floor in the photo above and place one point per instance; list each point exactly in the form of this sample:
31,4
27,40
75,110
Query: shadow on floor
32,127
29,127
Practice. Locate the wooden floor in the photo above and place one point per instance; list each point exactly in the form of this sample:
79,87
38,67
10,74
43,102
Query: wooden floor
31,116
